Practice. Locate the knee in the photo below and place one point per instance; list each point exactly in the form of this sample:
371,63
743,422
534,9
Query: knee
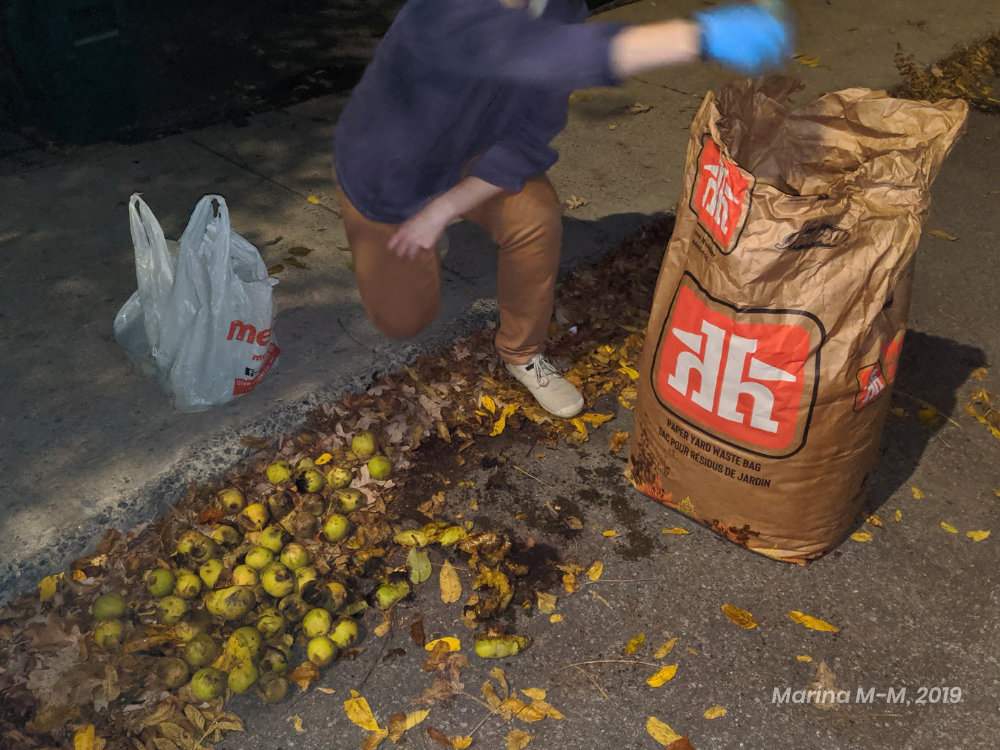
403,325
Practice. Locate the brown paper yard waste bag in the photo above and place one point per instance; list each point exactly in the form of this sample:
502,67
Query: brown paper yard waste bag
780,309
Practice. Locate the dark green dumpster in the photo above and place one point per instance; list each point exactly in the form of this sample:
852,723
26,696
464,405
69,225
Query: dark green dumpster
75,56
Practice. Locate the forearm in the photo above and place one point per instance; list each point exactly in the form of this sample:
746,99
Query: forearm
466,195
638,48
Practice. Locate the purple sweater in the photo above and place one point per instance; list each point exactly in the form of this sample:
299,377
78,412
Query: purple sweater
456,79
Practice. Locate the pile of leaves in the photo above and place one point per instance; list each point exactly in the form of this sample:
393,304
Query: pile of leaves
60,690
971,73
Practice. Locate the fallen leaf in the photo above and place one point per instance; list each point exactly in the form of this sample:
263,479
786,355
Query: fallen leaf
575,202
313,199
304,674
634,644
930,417
360,713
949,528
383,627
610,532
739,616
803,657
823,687
326,690
715,712
808,60
275,269
979,374
459,742
630,371
665,648
536,694
451,586
546,602
664,674
898,515
978,536
594,571
638,109
861,536
452,643
677,530
47,587
898,411
612,126
405,722
596,420
501,423
661,731
554,618
813,623
917,494
324,459
295,262
943,235
297,723
488,403
419,565
87,739
618,440
875,520
517,739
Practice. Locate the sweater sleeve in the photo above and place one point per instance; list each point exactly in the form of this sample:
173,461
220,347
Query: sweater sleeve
484,38
524,151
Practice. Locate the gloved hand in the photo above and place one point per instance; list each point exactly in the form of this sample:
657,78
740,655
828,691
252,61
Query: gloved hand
746,36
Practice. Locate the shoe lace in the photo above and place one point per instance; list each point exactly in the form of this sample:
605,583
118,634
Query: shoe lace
543,368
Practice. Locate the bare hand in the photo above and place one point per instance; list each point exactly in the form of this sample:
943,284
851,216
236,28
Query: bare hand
419,234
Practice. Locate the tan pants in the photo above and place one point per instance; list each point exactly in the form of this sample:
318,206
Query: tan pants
402,297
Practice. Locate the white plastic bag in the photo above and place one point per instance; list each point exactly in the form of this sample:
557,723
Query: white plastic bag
201,318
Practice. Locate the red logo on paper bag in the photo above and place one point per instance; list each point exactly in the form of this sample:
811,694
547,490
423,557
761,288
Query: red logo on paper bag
721,196
745,376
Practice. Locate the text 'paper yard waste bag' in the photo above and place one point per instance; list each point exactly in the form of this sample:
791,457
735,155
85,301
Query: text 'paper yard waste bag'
780,309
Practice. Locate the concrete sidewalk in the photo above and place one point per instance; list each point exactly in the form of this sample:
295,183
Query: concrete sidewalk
89,443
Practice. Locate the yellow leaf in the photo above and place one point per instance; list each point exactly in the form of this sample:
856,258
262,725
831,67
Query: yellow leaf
328,691
596,420
579,425
47,586
677,530
812,623
632,373
313,199
979,373
943,235
501,423
634,644
415,717
612,126
554,618
297,723
459,742
85,739
546,602
451,586
803,657
535,694
488,403
917,494
949,528
618,440
610,532
665,648
569,582
715,712
808,60
453,644
899,411
594,571
978,536
661,731
359,712
686,507
861,536
665,674
898,515
875,520
739,616
930,417
383,627
324,459
517,739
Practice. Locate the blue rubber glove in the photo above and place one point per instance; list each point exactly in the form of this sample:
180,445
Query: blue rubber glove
745,36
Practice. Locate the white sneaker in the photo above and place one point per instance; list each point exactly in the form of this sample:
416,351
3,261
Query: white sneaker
551,390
